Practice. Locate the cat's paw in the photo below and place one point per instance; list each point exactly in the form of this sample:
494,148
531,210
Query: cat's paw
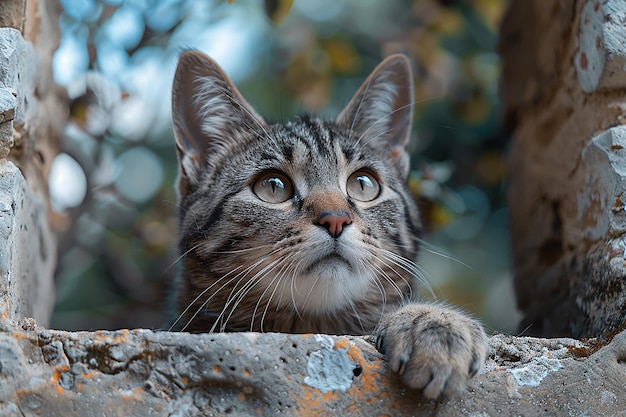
434,349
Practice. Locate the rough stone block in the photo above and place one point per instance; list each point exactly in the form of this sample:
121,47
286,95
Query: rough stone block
601,56
563,86
142,373
602,209
8,104
18,64
27,246
27,254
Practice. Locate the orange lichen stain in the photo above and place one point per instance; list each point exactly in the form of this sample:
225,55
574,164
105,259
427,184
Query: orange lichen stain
616,147
121,336
88,375
56,375
597,202
583,61
242,397
341,343
246,372
217,369
20,335
22,392
184,380
313,402
135,395
373,376
618,202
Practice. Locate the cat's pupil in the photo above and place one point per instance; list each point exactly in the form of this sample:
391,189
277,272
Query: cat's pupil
276,183
365,182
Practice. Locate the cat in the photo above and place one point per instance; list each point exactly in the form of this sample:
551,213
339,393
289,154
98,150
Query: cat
308,226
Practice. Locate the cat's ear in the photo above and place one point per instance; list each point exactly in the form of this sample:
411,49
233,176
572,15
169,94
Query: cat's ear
382,109
209,115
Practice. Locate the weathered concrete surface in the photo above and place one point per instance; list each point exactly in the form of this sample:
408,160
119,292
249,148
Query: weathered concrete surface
143,373
26,246
563,93
32,111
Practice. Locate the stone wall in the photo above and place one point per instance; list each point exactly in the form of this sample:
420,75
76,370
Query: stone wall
141,373
567,205
563,87
28,139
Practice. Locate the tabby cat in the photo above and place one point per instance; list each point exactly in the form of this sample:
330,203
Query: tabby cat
308,227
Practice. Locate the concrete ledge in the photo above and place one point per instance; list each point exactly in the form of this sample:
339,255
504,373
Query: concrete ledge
145,373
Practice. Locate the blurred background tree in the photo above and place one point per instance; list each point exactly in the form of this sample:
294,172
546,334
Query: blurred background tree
113,185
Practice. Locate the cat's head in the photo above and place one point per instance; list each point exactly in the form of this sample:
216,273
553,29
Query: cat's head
310,217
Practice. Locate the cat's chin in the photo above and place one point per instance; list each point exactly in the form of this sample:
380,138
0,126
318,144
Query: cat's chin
329,266
329,284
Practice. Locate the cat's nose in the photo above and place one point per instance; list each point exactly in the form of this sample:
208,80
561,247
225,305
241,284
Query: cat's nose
334,222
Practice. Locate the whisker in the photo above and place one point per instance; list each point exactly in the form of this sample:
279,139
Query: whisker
194,247
368,265
387,278
306,299
245,290
294,276
438,251
202,293
235,298
410,267
208,300
243,250
278,277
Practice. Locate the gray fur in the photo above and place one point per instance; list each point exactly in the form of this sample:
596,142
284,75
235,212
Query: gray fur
249,264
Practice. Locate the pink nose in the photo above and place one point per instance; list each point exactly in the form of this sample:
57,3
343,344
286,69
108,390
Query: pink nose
334,222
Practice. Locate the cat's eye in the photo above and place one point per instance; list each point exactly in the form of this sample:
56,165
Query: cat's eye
273,188
363,186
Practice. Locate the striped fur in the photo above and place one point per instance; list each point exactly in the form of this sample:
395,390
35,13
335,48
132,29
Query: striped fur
250,264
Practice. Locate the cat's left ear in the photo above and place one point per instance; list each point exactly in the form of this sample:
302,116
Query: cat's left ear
382,109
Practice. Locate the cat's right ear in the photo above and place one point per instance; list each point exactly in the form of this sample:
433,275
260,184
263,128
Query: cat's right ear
209,115
382,109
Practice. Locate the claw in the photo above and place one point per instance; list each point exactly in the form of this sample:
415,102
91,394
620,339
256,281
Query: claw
402,361
380,346
475,366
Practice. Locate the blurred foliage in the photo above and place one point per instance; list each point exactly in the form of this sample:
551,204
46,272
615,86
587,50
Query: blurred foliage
117,59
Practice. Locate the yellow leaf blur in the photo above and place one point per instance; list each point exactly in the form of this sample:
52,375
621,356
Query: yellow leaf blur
441,216
448,22
343,57
475,110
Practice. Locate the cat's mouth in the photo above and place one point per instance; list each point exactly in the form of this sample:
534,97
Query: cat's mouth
329,263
